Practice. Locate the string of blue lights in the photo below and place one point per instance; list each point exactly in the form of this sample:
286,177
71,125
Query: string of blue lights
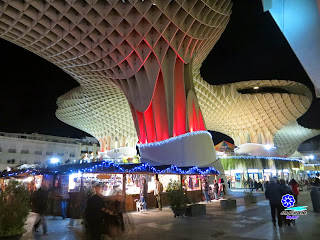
107,166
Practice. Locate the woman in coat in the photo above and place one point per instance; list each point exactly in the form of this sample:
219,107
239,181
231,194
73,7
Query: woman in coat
295,189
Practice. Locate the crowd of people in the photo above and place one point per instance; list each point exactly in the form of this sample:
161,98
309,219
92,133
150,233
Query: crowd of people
215,192
275,190
101,215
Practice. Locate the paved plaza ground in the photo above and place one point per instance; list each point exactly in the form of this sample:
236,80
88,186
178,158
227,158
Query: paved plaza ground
244,222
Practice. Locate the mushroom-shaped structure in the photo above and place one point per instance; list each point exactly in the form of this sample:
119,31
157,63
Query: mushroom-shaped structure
147,48
262,112
102,111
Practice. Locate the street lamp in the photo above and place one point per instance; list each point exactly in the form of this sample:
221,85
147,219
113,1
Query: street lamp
267,147
54,160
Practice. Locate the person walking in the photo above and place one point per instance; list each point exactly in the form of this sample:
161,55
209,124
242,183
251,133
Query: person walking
273,193
206,190
144,193
222,188
250,184
215,190
158,193
255,185
295,189
285,189
40,202
64,196
95,214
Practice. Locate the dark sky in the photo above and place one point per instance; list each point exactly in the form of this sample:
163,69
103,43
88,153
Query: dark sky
251,48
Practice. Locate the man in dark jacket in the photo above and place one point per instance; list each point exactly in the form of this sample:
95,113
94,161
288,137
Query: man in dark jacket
95,213
274,194
40,203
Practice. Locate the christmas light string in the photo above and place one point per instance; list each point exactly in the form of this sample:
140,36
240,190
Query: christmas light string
106,165
264,157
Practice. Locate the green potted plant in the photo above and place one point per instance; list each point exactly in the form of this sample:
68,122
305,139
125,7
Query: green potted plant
14,209
177,197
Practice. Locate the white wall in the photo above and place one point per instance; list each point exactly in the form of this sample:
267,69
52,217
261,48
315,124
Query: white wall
62,151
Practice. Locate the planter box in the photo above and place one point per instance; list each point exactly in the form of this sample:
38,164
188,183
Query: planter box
179,212
196,210
248,199
228,203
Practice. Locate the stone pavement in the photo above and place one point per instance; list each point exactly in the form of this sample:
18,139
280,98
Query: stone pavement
244,222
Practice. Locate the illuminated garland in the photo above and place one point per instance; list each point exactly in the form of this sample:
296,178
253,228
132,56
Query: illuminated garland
100,167
15,173
173,139
264,157
174,169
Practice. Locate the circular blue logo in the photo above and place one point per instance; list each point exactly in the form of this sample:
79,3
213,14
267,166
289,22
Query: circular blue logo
288,200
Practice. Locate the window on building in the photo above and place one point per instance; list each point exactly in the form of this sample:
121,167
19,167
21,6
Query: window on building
38,152
11,150
49,153
24,151
72,155
11,161
60,154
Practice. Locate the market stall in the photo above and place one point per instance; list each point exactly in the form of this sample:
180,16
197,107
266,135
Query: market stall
125,179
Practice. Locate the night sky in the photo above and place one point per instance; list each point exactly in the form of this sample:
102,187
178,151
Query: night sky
251,48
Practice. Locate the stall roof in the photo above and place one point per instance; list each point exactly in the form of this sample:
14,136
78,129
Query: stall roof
110,167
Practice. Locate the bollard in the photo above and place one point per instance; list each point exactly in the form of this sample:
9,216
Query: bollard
315,198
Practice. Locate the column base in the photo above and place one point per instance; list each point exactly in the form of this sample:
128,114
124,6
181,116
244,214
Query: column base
190,149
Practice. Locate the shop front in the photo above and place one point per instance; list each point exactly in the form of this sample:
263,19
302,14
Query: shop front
240,170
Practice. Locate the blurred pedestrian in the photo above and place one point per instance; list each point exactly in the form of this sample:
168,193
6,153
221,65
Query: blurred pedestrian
250,181
75,207
273,193
255,185
222,188
206,191
95,214
144,193
285,189
40,203
158,193
64,196
295,189
215,190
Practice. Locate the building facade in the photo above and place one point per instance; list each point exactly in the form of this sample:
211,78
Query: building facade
17,148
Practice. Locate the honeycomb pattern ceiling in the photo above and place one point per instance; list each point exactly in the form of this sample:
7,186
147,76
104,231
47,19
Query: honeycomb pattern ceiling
103,44
259,117
99,110
288,138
